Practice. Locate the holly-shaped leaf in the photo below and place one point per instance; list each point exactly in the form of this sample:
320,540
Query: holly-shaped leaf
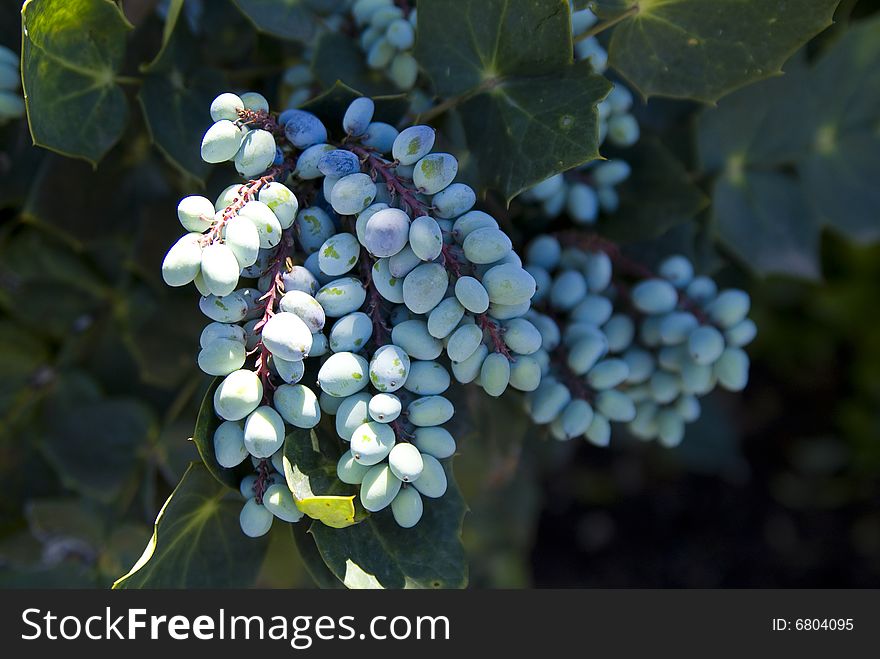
377,553
176,93
658,195
197,541
527,110
286,19
72,52
797,153
704,49
310,469
338,58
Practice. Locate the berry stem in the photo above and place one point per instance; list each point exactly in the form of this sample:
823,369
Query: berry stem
375,308
395,184
261,484
247,192
450,261
261,119
496,334
270,302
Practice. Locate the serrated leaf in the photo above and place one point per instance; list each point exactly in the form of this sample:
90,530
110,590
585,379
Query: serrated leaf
72,52
704,49
176,93
658,195
338,58
528,112
310,469
203,437
377,553
798,153
332,104
197,541
286,19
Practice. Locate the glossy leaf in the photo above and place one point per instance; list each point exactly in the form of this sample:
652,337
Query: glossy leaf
286,19
377,553
310,468
94,444
311,558
72,52
704,49
659,194
527,111
197,542
798,153
338,58
176,93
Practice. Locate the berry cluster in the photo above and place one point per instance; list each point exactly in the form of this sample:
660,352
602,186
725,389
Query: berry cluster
621,344
391,250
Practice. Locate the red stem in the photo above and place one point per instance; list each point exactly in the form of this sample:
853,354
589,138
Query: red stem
247,192
450,261
381,167
270,301
400,431
260,119
261,484
375,308
496,334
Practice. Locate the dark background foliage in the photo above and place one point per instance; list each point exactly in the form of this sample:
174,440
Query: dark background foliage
778,486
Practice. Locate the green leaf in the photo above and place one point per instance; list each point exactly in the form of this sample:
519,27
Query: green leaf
72,52
704,49
197,541
658,195
175,7
95,445
796,154
332,104
203,437
310,468
339,59
311,558
175,96
65,519
527,111
21,354
286,19
377,553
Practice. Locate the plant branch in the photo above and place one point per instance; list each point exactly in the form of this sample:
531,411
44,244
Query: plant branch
381,167
449,103
600,27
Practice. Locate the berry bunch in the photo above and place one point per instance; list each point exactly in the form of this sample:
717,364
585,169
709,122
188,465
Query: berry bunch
621,344
388,248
